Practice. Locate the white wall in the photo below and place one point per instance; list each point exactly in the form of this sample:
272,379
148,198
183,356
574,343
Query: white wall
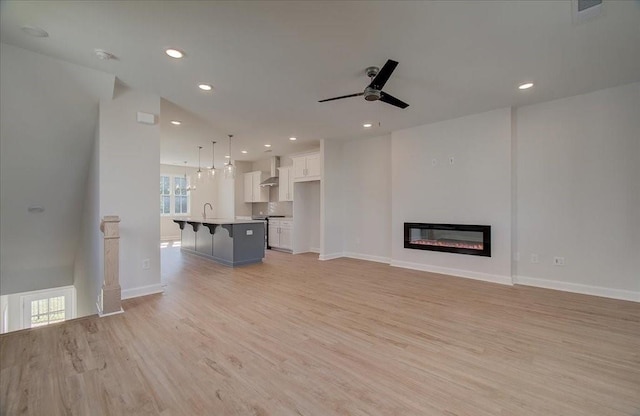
240,208
5,322
225,200
476,189
367,198
306,214
11,312
48,113
578,192
206,191
129,178
88,267
332,213
560,178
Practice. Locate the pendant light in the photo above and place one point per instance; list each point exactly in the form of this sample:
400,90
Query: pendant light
186,181
212,169
229,169
199,172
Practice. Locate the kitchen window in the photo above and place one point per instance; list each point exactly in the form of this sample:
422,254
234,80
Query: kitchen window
174,198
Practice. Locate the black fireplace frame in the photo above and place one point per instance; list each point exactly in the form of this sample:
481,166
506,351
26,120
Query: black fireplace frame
486,238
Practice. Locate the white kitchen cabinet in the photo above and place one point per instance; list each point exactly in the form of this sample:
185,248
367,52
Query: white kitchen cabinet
286,231
285,184
306,167
248,187
281,234
253,192
274,234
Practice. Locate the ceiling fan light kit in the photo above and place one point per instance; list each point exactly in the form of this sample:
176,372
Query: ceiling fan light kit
373,92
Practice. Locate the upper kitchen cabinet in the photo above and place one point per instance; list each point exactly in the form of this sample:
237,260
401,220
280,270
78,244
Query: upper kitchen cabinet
285,184
306,167
253,192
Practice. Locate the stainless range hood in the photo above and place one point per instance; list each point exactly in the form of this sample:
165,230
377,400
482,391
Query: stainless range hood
273,179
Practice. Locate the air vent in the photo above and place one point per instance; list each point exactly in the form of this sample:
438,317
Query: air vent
585,9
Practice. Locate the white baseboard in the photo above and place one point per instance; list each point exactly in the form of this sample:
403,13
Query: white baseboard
330,256
314,250
142,291
170,238
578,288
493,278
368,257
102,315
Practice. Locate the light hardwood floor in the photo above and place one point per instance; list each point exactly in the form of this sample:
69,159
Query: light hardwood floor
295,336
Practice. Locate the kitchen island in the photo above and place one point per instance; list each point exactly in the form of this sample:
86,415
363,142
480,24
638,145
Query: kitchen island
227,241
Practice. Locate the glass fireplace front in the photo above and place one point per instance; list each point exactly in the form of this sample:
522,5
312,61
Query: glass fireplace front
451,238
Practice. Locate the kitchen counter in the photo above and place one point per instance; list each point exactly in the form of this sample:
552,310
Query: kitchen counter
232,242
218,221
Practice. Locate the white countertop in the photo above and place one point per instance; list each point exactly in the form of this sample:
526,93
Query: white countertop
218,221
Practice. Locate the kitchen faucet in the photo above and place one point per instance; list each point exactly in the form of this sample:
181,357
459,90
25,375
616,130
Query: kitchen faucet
204,209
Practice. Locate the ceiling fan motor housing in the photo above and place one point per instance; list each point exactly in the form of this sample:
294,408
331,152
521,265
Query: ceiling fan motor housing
371,94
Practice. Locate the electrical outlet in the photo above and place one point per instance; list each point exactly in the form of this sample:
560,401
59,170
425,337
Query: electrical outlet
535,258
452,160
434,162
558,261
146,264
249,232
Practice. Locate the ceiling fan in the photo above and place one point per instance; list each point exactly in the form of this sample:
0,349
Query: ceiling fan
374,92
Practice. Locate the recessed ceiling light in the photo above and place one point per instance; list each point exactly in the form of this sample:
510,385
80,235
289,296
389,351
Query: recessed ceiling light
205,87
174,53
525,86
293,139
367,125
227,157
243,151
267,145
176,122
35,31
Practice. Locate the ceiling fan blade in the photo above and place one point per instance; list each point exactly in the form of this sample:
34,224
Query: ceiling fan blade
383,75
390,99
340,98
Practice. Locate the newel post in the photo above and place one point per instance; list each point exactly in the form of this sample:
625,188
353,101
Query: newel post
110,296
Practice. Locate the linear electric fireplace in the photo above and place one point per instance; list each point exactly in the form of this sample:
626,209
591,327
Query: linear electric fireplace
451,238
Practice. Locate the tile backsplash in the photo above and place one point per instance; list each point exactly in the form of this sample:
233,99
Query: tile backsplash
273,208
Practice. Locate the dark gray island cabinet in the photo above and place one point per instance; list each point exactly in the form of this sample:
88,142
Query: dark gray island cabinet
226,241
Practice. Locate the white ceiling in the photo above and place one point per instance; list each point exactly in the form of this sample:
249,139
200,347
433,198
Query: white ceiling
270,62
